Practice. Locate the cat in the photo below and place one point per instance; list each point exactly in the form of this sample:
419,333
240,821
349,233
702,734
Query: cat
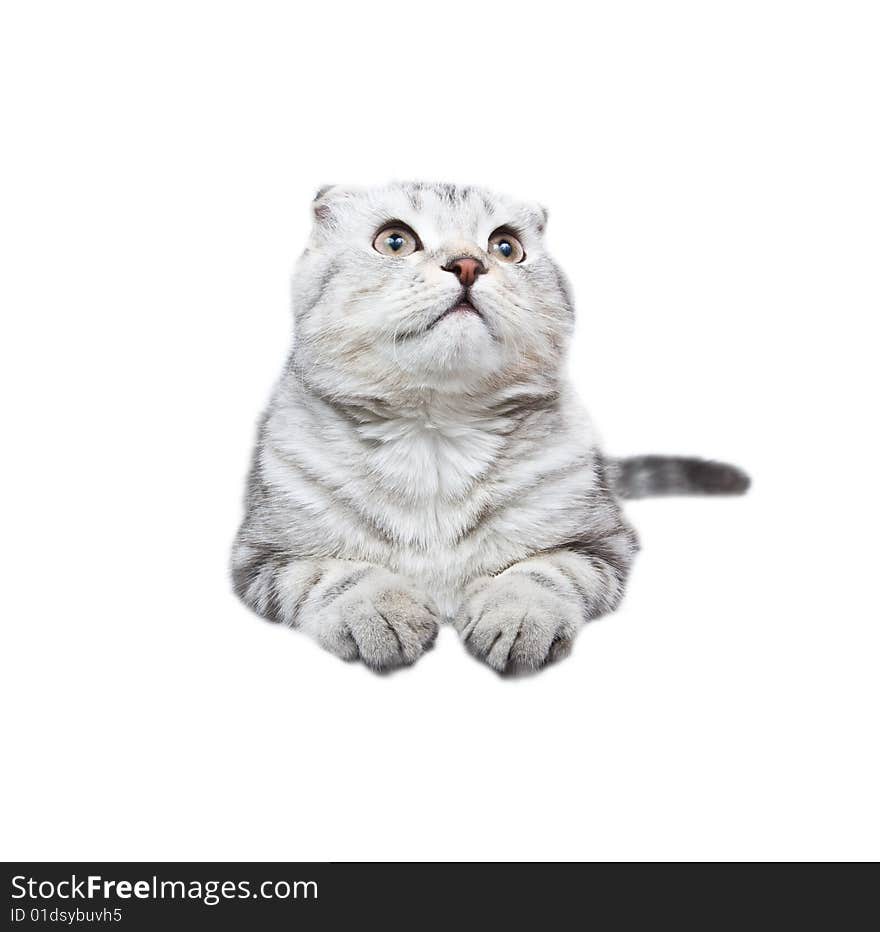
423,457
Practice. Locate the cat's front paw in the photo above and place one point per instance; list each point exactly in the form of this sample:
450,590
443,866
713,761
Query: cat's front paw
515,623
381,619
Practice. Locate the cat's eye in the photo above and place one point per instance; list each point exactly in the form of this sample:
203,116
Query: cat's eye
505,247
396,239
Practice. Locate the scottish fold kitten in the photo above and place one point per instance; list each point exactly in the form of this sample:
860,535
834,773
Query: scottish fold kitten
423,457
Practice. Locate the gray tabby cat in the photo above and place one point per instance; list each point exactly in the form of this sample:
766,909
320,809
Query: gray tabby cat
423,457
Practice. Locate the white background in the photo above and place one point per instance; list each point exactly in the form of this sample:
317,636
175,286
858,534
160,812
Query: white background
712,177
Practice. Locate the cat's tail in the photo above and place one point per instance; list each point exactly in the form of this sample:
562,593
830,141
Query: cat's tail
641,476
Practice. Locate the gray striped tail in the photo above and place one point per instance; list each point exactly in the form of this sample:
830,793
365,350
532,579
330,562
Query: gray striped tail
643,476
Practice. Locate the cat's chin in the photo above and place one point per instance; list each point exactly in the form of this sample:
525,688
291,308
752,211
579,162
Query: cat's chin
461,310
458,348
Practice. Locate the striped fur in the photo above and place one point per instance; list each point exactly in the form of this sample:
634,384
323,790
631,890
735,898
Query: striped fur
410,472
641,476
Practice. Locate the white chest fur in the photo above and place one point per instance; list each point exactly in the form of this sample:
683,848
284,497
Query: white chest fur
430,456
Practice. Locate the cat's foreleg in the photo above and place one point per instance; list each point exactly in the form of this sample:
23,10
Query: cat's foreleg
358,611
528,615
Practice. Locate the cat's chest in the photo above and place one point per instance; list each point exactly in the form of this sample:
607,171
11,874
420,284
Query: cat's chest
429,461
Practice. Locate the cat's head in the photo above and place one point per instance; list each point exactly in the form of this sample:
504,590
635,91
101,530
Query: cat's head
428,285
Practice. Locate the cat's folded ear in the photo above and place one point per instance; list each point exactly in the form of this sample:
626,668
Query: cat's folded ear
320,207
543,214
534,216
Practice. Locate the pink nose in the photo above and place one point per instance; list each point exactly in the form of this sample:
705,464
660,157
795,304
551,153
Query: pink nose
466,268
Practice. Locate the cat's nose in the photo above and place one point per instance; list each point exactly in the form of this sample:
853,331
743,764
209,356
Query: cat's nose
466,268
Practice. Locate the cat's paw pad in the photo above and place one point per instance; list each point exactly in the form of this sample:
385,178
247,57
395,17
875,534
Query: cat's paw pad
383,621
516,624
